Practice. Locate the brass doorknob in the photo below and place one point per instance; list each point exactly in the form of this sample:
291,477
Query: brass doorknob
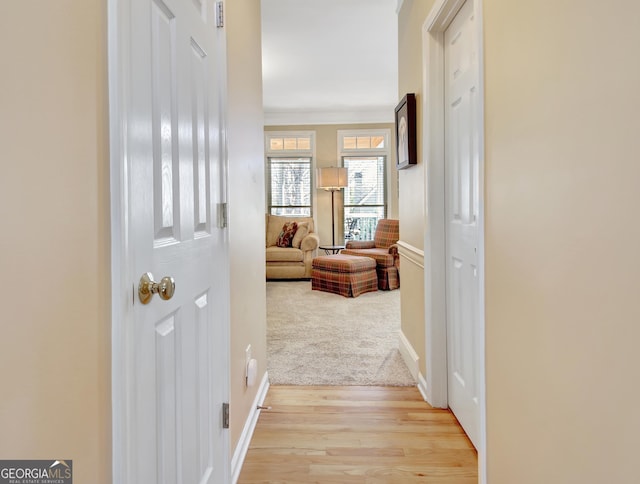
148,287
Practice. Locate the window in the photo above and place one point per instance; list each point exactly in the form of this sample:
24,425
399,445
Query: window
289,172
364,153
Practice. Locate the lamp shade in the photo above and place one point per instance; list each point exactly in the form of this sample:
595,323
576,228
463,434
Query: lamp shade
331,178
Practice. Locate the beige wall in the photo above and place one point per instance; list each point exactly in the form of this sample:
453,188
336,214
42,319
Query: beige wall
412,190
246,204
412,305
562,171
54,251
412,202
327,155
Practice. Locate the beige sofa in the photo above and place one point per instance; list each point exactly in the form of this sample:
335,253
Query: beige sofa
290,262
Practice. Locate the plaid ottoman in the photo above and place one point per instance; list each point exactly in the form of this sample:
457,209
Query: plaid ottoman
347,275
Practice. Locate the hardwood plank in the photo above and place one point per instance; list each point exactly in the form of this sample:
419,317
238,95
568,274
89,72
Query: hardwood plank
356,434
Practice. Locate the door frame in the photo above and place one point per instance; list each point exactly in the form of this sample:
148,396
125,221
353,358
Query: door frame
121,315
123,291
433,85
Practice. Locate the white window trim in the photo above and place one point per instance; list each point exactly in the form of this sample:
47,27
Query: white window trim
269,153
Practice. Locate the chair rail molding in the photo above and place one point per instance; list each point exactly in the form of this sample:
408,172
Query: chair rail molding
411,254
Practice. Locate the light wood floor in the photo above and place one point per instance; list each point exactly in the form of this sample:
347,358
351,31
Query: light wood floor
357,434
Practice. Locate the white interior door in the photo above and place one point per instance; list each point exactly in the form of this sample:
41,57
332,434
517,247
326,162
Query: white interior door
176,350
461,211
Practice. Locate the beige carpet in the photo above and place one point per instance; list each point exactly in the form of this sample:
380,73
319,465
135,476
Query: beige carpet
317,338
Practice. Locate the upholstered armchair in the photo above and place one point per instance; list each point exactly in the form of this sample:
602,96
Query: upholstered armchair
383,249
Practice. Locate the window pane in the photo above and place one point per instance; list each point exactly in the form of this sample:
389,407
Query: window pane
304,143
360,222
349,142
290,185
366,181
290,143
364,197
292,211
377,141
276,144
364,142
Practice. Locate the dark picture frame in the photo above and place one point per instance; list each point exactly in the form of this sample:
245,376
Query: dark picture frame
406,143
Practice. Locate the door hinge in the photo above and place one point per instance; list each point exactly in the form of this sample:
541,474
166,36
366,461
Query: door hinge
223,214
225,415
219,14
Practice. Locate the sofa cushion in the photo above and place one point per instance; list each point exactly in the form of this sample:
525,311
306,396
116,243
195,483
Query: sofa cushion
303,230
284,254
274,226
286,235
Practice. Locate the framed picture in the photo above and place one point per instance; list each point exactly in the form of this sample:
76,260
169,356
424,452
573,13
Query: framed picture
406,132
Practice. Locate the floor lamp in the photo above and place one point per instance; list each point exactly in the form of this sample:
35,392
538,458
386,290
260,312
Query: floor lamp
332,179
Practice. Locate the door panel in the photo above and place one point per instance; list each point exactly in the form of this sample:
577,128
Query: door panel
204,404
461,174
201,159
164,120
165,398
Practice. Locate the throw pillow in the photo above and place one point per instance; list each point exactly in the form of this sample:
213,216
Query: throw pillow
286,236
301,233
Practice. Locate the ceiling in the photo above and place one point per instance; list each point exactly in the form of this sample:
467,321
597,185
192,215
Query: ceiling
329,61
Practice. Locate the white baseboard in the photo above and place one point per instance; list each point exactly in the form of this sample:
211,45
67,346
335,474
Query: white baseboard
422,386
412,359
247,432
409,355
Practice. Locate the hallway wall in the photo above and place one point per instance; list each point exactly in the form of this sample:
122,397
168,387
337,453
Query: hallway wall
54,250
246,204
411,181
562,171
